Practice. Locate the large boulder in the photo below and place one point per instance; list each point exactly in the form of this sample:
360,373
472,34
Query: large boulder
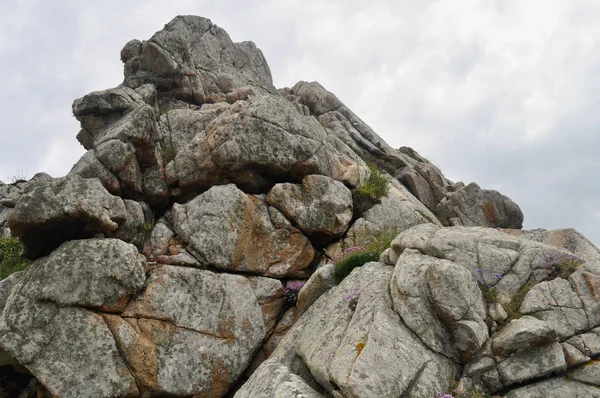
473,206
200,347
195,61
320,207
229,230
51,212
260,141
46,327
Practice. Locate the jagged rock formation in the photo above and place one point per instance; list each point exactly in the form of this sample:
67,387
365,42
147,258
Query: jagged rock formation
162,261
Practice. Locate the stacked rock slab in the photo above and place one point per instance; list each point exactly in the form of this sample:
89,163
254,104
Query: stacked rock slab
160,262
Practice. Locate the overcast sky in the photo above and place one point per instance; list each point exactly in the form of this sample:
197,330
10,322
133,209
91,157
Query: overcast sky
504,93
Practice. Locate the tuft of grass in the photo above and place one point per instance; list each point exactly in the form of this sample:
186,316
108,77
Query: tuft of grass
426,216
489,293
513,308
344,267
358,256
381,164
168,152
376,186
10,257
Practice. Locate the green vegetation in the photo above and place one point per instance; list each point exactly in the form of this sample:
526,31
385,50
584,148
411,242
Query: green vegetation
147,228
10,257
489,293
513,308
358,256
427,217
168,152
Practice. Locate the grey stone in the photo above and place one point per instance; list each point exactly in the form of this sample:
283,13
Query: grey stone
532,364
558,387
319,282
86,273
202,347
573,356
480,207
227,229
52,212
283,383
522,334
320,206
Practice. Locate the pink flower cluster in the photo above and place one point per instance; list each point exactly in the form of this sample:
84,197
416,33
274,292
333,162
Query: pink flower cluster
291,292
339,257
352,299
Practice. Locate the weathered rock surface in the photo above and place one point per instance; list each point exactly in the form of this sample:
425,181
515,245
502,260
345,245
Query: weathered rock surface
473,206
260,140
200,348
44,327
230,230
243,180
49,213
195,61
320,206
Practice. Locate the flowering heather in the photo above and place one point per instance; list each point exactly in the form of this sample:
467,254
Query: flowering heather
561,264
291,292
344,254
352,298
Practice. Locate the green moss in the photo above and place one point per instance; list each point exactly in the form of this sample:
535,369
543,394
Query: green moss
10,257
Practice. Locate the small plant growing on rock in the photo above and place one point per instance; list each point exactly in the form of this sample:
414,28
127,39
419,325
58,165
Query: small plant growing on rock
376,186
168,152
147,228
357,256
561,265
489,292
514,307
352,299
290,293
349,259
10,257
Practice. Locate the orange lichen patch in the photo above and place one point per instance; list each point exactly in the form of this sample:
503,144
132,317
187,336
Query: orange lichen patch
119,306
593,283
359,348
489,211
227,329
221,378
266,248
138,349
557,239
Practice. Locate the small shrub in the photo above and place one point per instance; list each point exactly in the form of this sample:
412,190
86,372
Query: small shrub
147,228
352,260
291,293
561,265
358,256
352,299
376,186
10,257
20,176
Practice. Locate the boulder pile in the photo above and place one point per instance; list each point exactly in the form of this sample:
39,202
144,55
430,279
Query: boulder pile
195,250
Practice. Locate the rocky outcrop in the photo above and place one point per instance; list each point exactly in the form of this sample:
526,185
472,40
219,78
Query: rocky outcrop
199,248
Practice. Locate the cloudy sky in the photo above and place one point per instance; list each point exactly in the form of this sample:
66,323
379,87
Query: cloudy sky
505,93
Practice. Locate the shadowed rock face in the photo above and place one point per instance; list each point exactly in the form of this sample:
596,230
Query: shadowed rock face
169,260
